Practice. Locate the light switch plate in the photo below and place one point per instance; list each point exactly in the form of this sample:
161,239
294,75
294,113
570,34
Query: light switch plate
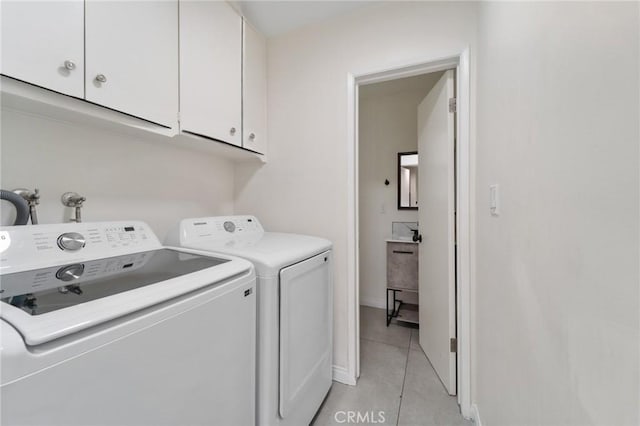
494,199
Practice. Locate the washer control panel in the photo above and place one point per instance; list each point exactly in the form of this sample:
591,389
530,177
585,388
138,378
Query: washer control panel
26,247
219,228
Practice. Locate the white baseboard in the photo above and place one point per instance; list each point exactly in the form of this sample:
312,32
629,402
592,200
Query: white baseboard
378,303
475,415
467,412
341,374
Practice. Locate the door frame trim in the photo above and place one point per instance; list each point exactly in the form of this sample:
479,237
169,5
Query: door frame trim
464,201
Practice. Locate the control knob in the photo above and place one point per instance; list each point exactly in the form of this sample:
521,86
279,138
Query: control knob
71,241
70,273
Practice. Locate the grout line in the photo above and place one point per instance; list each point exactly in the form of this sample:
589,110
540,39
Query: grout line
404,379
385,343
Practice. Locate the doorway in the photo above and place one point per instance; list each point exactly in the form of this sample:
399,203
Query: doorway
461,356
407,136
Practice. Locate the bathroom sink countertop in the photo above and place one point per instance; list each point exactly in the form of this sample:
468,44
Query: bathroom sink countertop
396,240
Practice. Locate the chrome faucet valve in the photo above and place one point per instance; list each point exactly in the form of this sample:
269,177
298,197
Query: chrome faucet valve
75,200
33,199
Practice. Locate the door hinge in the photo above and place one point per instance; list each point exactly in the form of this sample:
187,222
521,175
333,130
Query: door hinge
453,345
453,105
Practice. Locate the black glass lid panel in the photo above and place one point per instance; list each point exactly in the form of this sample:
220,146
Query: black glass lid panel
50,289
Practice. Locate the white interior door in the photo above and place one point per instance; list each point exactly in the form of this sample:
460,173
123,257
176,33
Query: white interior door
436,192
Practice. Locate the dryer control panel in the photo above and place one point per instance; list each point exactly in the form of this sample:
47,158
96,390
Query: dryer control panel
219,228
29,247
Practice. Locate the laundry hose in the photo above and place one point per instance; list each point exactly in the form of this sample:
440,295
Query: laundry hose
22,208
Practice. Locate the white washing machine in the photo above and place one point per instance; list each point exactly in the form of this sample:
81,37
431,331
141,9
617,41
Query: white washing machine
295,311
101,324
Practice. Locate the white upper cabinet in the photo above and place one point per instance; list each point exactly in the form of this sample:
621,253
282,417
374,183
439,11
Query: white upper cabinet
211,70
132,57
254,88
43,43
189,63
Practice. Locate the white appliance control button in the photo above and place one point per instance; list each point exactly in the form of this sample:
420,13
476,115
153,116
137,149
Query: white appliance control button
71,241
229,226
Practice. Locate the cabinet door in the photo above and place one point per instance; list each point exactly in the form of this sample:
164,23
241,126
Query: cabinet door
254,87
402,266
43,44
211,70
132,57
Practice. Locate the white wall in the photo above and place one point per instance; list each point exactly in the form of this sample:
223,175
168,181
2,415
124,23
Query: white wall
387,125
122,178
303,187
556,295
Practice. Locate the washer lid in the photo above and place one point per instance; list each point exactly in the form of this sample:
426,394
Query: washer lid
269,251
48,303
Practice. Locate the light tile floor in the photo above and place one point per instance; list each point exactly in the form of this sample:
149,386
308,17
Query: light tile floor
395,378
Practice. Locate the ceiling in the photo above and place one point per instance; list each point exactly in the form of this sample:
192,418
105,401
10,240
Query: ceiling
273,18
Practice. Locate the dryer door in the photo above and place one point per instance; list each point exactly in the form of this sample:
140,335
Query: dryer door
305,334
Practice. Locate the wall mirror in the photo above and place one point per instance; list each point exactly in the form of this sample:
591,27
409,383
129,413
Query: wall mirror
408,180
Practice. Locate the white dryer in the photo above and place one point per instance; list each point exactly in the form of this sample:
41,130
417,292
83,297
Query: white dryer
101,324
295,310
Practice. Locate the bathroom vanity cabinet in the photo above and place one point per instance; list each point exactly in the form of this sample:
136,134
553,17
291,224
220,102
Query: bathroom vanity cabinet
402,279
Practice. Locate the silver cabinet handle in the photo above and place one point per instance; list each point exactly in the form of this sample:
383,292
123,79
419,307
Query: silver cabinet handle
101,78
232,131
252,136
70,65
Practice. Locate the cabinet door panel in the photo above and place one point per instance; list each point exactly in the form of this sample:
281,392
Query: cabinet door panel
38,37
254,87
134,45
402,266
211,70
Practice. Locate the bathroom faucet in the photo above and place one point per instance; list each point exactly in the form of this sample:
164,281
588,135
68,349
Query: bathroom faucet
416,233
75,200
